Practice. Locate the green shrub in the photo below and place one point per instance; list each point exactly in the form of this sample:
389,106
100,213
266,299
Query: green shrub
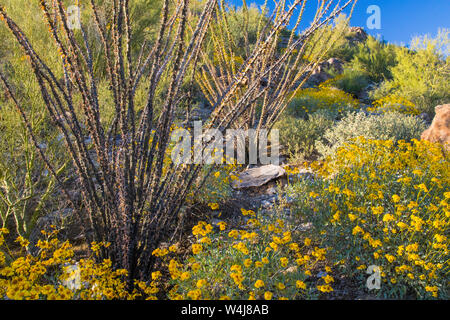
268,260
298,136
339,32
27,190
422,74
388,126
375,58
351,81
345,51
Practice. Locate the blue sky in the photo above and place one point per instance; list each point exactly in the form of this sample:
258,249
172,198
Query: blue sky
400,19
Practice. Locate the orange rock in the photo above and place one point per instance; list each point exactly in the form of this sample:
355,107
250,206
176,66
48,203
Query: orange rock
439,131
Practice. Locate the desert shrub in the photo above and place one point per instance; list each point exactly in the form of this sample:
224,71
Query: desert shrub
375,58
298,135
267,260
385,205
345,51
311,100
341,48
351,81
214,184
54,274
392,103
389,126
422,73
27,189
250,18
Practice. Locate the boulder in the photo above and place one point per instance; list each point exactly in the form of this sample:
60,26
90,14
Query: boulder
317,77
320,73
425,117
336,64
257,177
439,131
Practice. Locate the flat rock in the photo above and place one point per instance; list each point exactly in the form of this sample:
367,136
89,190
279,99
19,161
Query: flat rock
257,177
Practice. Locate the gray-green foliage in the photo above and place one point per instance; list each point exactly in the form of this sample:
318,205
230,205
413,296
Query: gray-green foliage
298,136
387,126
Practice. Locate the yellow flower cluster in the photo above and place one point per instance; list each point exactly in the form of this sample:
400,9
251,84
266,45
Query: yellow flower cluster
394,103
312,99
53,274
201,229
395,214
260,260
217,186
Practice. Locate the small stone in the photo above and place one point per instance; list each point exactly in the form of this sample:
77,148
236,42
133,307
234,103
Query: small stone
266,204
305,227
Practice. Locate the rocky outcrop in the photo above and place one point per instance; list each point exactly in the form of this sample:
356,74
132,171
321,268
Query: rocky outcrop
321,74
335,64
439,131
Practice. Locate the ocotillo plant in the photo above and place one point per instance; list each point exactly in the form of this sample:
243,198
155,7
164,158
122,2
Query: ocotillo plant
270,70
131,195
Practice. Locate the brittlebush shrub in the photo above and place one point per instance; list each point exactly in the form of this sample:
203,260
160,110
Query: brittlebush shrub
311,100
54,273
393,103
262,259
385,205
388,126
422,73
